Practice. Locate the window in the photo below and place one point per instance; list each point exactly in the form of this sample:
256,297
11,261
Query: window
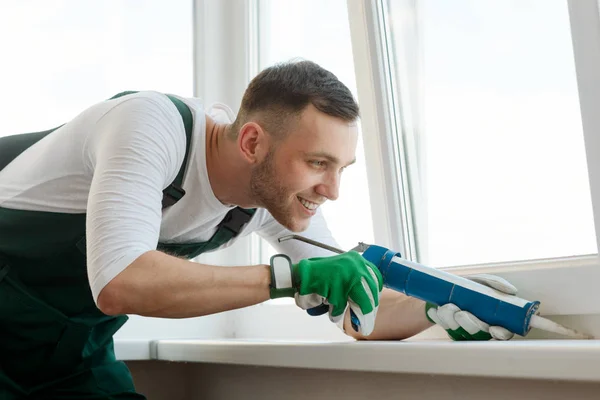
59,57
392,64
312,30
489,89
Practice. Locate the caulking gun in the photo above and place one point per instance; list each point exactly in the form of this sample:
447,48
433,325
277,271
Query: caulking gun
439,287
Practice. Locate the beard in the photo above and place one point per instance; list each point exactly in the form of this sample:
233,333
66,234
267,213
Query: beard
271,193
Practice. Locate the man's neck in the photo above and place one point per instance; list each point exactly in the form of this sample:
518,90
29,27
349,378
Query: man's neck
228,177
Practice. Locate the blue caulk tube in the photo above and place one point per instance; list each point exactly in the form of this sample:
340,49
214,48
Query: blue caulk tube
439,287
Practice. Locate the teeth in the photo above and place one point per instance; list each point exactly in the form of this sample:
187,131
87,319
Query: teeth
308,204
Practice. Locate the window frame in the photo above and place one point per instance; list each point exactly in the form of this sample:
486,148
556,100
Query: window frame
556,283
224,62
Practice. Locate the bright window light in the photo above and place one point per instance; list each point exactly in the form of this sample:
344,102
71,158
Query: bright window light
59,57
496,117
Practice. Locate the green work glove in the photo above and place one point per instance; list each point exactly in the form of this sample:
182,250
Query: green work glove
342,281
462,325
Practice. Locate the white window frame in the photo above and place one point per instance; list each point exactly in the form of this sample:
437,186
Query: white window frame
557,283
224,62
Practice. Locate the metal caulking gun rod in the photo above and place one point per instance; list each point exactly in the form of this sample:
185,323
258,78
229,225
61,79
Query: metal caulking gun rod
439,287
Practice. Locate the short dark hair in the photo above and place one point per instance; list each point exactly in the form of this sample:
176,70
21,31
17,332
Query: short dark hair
281,92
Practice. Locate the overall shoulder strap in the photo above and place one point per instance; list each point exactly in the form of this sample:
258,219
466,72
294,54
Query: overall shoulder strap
174,192
227,229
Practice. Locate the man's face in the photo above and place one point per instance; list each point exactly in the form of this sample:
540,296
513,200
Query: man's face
304,170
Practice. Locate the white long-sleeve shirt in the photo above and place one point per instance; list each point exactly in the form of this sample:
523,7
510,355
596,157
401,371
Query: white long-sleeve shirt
112,162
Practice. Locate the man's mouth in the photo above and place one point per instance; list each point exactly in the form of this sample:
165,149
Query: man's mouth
309,205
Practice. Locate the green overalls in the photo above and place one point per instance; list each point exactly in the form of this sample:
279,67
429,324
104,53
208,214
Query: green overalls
54,342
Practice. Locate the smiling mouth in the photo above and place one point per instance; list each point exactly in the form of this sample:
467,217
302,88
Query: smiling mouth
309,205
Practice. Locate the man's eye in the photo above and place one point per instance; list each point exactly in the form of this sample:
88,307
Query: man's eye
318,163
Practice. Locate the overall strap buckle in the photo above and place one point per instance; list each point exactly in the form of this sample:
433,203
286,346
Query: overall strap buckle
171,195
236,219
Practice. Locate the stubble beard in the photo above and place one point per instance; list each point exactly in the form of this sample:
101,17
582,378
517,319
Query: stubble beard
268,190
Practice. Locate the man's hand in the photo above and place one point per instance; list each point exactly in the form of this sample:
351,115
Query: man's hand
339,281
462,325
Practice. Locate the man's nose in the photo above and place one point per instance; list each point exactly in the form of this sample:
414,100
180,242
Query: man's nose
330,187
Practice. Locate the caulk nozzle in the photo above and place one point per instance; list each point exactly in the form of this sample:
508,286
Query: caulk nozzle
551,326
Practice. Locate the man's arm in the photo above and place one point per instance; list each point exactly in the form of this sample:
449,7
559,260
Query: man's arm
160,285
399,317
133,153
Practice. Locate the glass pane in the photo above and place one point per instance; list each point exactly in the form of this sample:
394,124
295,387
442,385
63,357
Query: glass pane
318,30
59,57
501,146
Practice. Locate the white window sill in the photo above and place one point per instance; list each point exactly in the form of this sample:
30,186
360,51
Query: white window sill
133,349
534,359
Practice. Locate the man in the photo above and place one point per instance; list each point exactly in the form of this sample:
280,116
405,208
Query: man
98,217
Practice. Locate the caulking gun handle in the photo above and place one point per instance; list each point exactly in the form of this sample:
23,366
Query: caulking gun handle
318,310
440,287
323,308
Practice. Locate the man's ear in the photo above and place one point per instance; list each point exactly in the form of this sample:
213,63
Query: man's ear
253,142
